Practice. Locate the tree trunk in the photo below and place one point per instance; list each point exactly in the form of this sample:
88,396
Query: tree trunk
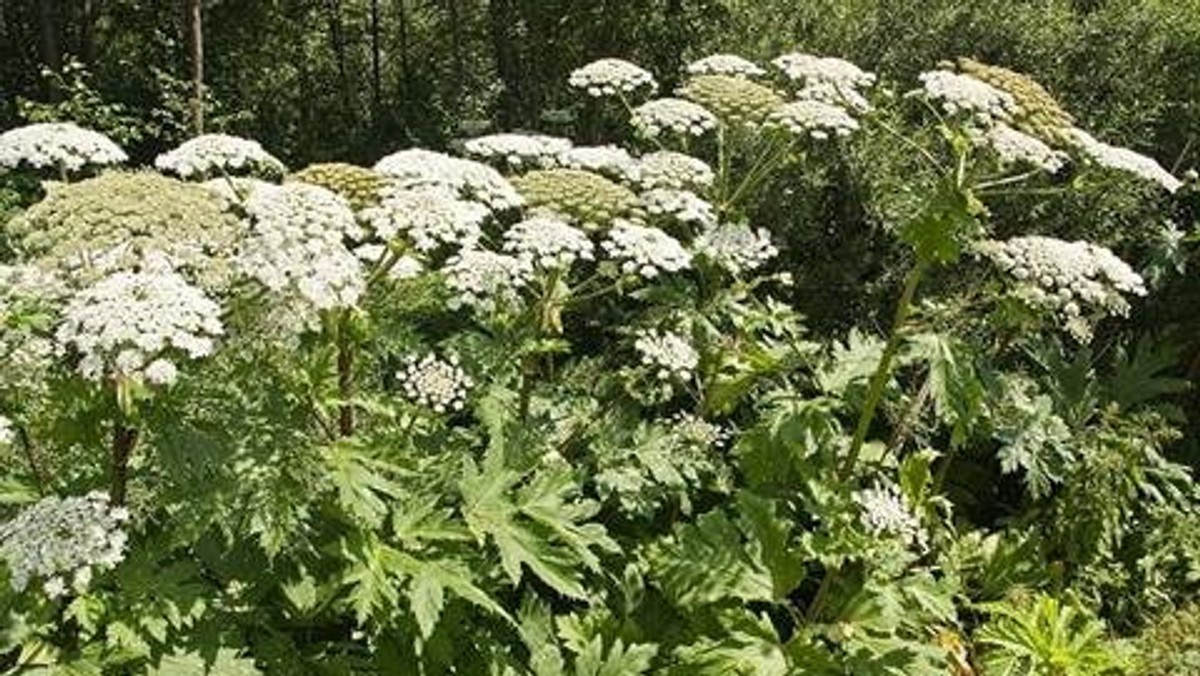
88,14
51,50
501,19
376,83
337,41
195,21
456,46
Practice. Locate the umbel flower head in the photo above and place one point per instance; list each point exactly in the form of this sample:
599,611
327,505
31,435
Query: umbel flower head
643,251
115,220
518,151
960,94
735,100
212,155
484,280
57,148
885,512
1125,160
683,206
676,116
1014,147
61,541
1037,112
610,77
725,64
438,384
548,243
428,217
737,248
669,355
135,324
360,186
675,171
814,119
610,161
828,79
474,180
586,199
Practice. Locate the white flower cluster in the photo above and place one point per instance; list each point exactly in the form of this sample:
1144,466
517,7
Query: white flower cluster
6,432
611,161
644,251
684,206
27,284
668,354
475,180
885,512
676,116
609,77
963,94
1124,159
61,541
669,169
519,150
60,146
429,216
736,247
1072,279
131,323
439,384
548,243
813,118
485,280
692,429
725,64
1017,147
297,246
212,155
826,78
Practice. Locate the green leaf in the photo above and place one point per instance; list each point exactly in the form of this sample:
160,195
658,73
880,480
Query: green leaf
426,596
953,383
226,663
709,562
771,540
362,483
619,660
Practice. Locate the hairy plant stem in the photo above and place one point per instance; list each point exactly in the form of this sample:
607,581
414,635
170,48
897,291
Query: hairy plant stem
345,368
124,440
34,459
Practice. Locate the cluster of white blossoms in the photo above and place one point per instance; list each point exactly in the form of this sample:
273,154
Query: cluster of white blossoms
519,151
27,284
684,206
612,161
644,251
690,428
212,155
669,355
475,180
1124,159
610,77
885,512
736,247
548,243
813,118
131,324
1071,279
963,94
676,116
297,247
438,384
7,434
669,169
62,540
430,217
485,280
1017,147
725,64
828,79
59,146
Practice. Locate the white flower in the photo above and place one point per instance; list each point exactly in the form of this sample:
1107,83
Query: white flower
725,64
736,247
643,251
474,180
828,79
58,146
56,537
212,155
608,77
669,169
439,384
682,205
611,161
430,217
548,243
161,372
885,512
518,150
692,429
669,355
673,115
129,321
1016,147
963,94
7,434
1124,159
406,267
485,280
813,118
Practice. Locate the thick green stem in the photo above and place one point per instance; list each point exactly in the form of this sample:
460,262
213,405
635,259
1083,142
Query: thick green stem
345,376
124,440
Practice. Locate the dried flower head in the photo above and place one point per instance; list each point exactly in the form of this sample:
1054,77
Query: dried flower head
1037,113
360,186
586,199
735,100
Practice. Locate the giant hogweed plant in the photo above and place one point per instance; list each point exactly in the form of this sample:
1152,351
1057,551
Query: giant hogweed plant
539,410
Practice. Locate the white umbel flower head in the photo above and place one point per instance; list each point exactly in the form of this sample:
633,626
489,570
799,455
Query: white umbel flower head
1124,159
518,151
548,243
430,217
725,64
611,161
129,322
1017,147
644,251
610,77
828,79
57,146
885,512
486,281
474,180
684,206
437,384
57,539
213,155
669,169
812,118
676,116
964,95
669,355
736,247
691,429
